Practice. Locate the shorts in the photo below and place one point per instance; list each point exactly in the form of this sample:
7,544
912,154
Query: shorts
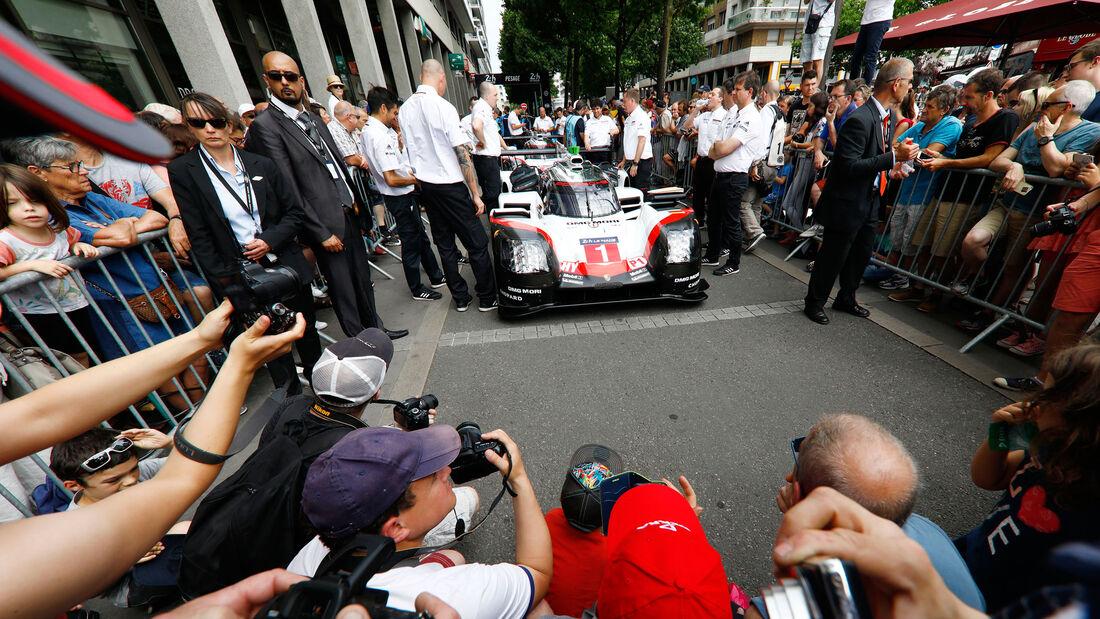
1079,290
941,227
57,335
1011,228
814,45
903,222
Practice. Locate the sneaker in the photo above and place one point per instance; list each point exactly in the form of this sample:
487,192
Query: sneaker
378,251
1027,383
458,520
482,306
910,294
317,292
960,288
723,253
391,241
441,283
1034,346
894,282
726,270
810,266
463,304
753,243
1015,339
463,259
929,304
710,262
426,295
813,230
977,321
320,325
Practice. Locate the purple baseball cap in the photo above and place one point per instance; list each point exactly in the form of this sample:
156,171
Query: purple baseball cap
351,485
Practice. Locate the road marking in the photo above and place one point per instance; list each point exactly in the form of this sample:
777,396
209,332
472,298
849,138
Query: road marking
629,323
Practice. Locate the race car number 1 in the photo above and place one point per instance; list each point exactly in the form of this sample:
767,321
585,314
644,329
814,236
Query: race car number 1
605,252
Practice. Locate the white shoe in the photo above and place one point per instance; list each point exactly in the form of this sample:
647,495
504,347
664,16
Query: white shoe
320,325
466,504
317,292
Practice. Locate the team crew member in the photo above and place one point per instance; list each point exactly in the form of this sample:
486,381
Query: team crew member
544,125
440,154
515,125
389,165
705,124
740,141
574,125
488,145
637,150
597,133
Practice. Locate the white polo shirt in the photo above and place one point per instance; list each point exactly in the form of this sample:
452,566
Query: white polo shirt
598,131
383,153
637,126
513,120
489,128
544,124
431,128
707,124
746,126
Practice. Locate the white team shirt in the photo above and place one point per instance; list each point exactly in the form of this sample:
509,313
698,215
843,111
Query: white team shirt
489,129
544,125
876,11
707,124
513,120
383,153
637,126
431,128
744,125
598,131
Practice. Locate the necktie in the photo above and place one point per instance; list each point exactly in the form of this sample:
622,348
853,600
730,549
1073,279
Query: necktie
315,137
882,175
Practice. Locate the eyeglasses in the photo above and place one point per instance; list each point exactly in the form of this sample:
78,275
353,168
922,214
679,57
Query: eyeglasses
796,446
199,123
1047,104
276,76
103,458
73,167
1069,67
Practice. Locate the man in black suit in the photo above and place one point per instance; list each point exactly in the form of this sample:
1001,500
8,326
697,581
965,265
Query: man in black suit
301,146
849,203
238,207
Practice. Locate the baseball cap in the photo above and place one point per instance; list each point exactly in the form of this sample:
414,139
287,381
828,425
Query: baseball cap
659,561
703,88
245,108
580,494
349,486
351,371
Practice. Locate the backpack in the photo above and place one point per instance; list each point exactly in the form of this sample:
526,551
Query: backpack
252,521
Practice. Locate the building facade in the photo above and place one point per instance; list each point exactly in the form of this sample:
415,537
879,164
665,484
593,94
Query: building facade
141,51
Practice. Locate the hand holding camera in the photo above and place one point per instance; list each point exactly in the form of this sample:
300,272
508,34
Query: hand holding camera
504,455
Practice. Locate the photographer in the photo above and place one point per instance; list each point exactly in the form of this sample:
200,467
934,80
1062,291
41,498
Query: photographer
237,207
55,561
382,481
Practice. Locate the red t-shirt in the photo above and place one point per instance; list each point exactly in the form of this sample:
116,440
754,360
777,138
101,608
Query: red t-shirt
579,560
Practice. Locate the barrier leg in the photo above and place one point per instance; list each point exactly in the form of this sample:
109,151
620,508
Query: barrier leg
996,324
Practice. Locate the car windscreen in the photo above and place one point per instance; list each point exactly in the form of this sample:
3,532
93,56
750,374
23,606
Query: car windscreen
583,199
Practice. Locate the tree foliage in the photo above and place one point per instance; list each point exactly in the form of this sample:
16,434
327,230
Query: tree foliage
852,13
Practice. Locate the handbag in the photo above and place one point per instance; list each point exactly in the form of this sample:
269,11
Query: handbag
32,364
813,20
146,312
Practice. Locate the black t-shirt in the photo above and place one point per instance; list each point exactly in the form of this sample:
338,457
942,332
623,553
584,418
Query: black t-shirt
796,114
975,138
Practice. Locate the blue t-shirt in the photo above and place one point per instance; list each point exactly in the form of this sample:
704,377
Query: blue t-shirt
1078,140
824,134
99,210
921,187
945,557
1092,112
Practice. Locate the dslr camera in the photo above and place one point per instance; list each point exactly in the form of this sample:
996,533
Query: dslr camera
341,582
1062,220
821,588
412,414
257,291
471,463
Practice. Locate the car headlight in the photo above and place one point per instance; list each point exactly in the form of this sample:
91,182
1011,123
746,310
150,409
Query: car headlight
679,245
524,256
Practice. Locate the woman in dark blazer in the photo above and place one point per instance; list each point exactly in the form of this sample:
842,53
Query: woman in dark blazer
237,208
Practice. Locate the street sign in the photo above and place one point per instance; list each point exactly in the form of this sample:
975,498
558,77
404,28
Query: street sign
341,66
457,63
523,106
693,80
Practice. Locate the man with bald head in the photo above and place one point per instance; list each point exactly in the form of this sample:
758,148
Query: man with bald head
439,150
761,174
305,152
486,155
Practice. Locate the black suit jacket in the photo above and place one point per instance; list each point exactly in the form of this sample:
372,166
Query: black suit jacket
213,243
849,194
279,138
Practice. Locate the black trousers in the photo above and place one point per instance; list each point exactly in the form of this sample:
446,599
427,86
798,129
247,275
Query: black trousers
452,213
309,347
488,177
704,177
600,156
844,253
416,249
642,179
725,215
349,282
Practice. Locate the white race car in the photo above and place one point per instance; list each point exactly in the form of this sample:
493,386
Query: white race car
565,235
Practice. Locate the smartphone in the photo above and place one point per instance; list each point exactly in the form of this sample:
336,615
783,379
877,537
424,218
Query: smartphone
614,487
1023,188
1081,159
1011,437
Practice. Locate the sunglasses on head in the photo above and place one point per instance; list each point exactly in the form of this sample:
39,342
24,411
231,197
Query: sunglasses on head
276,76
101,459
199,123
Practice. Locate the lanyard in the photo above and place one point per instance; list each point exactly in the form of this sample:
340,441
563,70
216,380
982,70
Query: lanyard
246,204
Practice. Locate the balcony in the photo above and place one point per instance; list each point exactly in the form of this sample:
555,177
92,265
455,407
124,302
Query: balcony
475,7
765,15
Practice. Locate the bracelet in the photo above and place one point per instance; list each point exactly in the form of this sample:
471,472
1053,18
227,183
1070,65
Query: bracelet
179,217
189,451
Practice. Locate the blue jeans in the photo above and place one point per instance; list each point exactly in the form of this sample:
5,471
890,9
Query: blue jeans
865,53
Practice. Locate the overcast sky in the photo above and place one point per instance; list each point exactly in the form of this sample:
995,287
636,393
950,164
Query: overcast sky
491,10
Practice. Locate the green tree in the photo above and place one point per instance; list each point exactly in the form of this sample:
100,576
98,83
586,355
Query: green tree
852,13
685,46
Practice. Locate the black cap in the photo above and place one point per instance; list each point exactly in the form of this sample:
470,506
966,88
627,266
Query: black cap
579,502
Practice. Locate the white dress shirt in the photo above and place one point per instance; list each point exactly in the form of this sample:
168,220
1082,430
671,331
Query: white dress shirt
431,129
637,126
489,129
298,117
745,125
384,154
245,225
544,124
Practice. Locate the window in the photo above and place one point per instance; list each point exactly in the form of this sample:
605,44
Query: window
709,24
773,37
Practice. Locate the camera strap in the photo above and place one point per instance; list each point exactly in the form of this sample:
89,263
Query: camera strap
247,202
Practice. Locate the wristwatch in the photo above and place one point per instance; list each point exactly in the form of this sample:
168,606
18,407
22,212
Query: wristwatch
1046,139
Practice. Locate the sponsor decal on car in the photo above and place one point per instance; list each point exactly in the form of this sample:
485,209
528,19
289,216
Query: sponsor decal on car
686,278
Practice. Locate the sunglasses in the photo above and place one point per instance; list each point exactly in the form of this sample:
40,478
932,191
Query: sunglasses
1047,104
73,167
199,123
276,76
796,446
103,458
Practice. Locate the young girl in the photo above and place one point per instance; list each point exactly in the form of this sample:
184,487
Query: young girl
35,236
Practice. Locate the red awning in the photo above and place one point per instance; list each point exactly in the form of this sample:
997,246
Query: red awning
987,22
1061,48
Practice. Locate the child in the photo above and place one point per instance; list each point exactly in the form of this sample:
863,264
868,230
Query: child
34,236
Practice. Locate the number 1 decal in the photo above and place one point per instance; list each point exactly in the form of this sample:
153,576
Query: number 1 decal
604,252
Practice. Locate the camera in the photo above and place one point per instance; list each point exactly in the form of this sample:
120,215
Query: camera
412,414
822,588
471,463
340,583
1062,220
257,291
